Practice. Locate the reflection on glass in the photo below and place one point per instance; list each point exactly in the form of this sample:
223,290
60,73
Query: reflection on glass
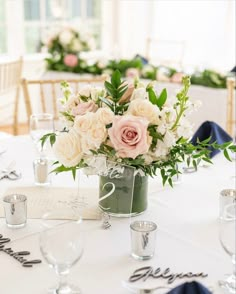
227,240
31,9
61,244
32,39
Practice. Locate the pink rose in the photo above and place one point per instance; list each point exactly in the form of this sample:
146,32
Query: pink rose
71,60
177,77
132,73
129,135
84,107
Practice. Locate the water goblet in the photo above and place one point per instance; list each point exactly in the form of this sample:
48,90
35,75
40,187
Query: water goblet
40,124
61,244
227,240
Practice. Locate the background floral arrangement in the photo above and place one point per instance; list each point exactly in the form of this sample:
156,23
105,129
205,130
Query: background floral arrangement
65,47
128,124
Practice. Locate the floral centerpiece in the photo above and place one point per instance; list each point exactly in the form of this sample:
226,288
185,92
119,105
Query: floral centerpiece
131,125
65,47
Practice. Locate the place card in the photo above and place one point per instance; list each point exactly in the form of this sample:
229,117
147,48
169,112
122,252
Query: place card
43,199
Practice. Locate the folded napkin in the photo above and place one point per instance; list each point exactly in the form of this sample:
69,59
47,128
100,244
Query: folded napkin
143,59
190,288
213,130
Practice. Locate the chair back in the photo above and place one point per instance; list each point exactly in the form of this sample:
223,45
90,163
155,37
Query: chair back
10,81
43,95
165,52
230,115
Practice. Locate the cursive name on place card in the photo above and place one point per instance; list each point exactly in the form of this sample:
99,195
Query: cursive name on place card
19,256
148,272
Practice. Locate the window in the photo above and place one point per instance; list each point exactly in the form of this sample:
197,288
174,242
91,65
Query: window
2,27
36,17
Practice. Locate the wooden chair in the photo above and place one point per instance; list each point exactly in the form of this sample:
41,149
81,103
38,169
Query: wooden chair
230,118
165,52
10,82
47,92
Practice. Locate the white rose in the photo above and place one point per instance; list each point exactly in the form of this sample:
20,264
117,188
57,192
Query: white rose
144,108
105,115
83,123
139,93
65,37
85,91
67,148
76,45
96,135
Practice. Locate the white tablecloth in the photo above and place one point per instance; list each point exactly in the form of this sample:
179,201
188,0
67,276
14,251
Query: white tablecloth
187,237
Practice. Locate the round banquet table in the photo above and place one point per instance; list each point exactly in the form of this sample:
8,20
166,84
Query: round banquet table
187,236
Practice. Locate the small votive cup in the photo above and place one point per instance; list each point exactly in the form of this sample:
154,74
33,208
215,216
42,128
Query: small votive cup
41,172
143,239
15,206
227,196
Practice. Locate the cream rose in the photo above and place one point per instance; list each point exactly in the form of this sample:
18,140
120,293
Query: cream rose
129,136
67,148
105,115
84,122
144,108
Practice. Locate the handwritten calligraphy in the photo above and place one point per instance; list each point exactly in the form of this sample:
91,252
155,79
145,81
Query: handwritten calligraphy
146,272
19,256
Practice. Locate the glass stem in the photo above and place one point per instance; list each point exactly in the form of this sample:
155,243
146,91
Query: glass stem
234,263
62,281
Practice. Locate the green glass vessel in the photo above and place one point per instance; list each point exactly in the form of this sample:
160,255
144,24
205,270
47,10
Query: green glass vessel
125,200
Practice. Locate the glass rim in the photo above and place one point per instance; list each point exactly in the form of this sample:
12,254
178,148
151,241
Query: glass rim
41,115
152,226
7,198
228,192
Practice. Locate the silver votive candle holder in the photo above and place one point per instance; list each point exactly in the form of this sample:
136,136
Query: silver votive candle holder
227,196
15,207
143,239
41,172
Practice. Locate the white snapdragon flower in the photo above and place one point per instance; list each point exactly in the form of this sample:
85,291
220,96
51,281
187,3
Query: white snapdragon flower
71,103
161,150
169,139
185,129
65,37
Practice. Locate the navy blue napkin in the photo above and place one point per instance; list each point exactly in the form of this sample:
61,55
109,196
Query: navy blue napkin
143,59
190,288
213,130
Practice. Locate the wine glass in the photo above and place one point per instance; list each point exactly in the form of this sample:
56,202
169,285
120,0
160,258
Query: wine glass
61,244
40,124
227,240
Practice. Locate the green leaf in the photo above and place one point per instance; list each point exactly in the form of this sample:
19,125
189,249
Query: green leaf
116,79
52,139
226,154
74,173
152,96
162,98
